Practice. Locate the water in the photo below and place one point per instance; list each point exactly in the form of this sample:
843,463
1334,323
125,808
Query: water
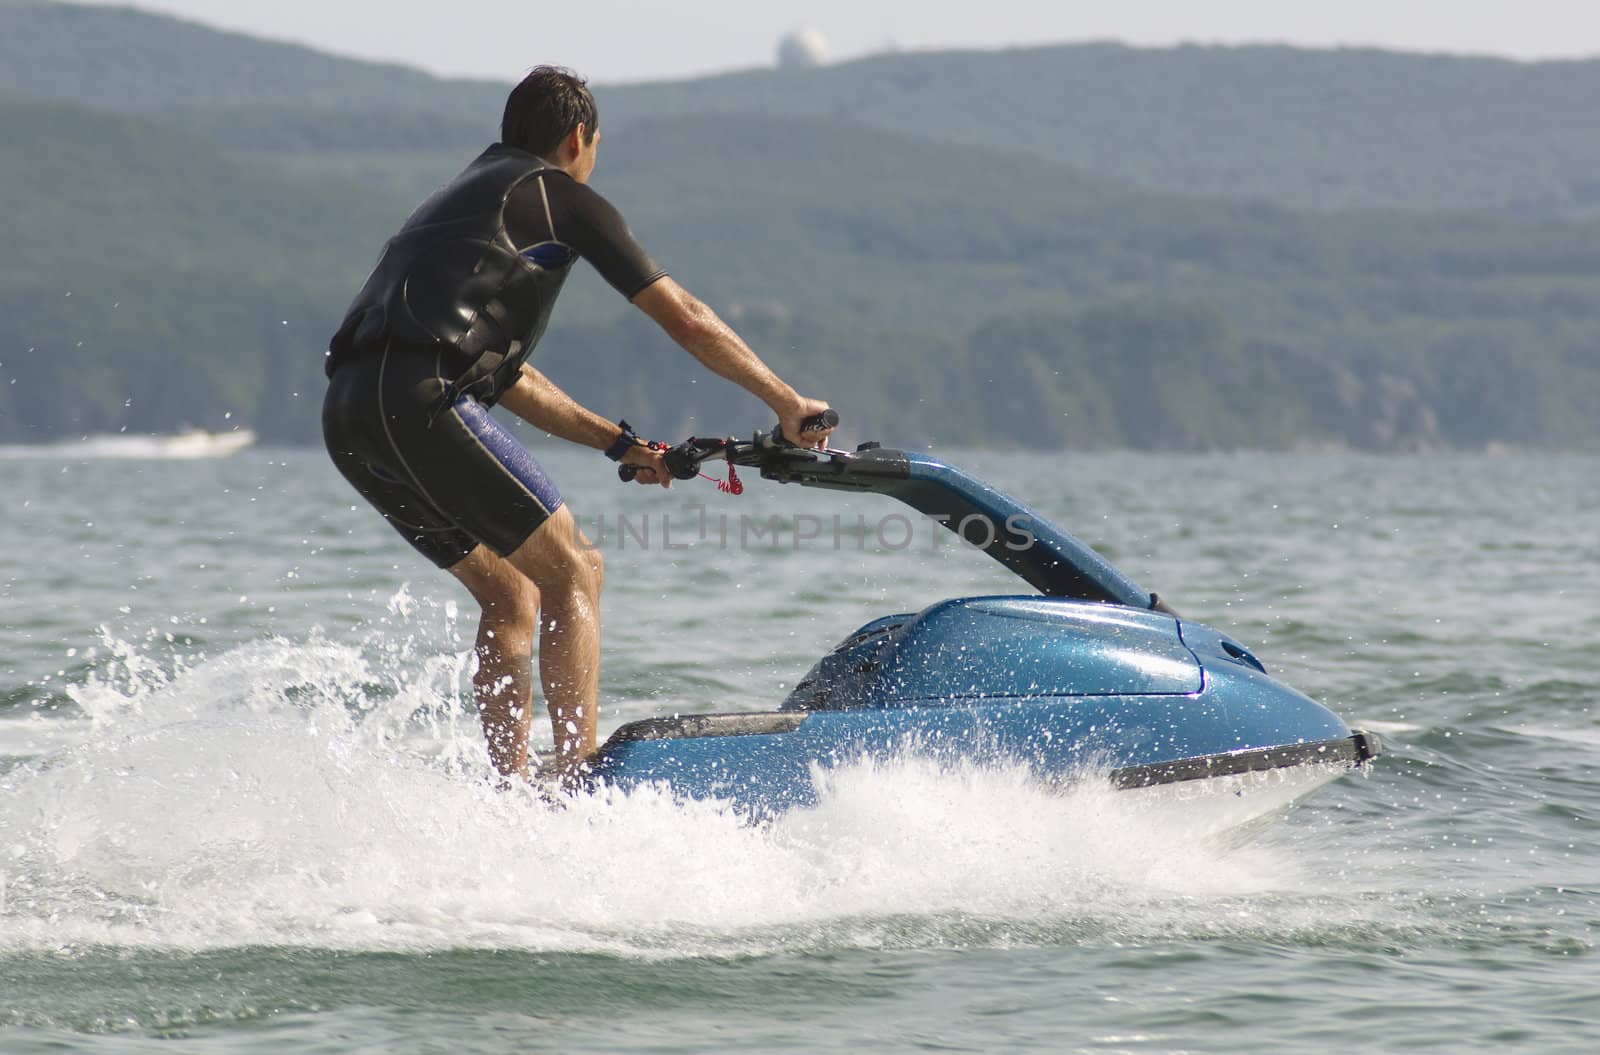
243,806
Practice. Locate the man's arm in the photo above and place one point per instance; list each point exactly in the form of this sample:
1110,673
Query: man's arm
571,212
541,403
702,334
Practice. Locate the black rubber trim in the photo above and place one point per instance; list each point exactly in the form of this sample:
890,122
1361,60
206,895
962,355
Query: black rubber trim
1354,750
858,471
760,723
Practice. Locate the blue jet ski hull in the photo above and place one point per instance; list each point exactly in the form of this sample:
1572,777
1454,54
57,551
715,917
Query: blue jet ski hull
1095,679
1073,691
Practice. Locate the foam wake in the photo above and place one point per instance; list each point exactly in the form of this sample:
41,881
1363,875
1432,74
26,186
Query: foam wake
307,793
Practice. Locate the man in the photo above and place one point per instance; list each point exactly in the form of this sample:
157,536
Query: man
442,331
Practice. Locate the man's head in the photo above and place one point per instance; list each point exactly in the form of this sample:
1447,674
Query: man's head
551,113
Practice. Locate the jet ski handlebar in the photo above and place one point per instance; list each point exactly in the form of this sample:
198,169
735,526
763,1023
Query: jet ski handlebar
1049,559
684,460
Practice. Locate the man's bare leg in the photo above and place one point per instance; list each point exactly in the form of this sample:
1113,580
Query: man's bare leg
568,575
503,683
554,568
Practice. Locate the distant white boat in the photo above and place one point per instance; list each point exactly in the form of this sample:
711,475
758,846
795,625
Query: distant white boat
190,443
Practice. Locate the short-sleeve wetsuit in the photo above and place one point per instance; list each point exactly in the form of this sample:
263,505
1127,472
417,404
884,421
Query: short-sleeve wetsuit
432,461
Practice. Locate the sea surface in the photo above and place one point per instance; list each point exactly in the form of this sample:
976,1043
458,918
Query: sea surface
244,805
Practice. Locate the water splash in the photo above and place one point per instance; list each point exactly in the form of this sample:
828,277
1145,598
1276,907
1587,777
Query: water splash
314,794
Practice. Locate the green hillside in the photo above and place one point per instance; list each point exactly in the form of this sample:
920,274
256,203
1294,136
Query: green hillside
119,58
1311,129
180,252
151,281
1115,316
954,297
1315,129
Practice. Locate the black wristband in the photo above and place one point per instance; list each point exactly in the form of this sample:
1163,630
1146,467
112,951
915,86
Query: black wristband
627,441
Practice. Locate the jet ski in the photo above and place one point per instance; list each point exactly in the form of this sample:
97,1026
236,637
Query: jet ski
1090,679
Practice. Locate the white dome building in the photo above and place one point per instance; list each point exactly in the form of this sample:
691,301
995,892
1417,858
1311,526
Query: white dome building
802,49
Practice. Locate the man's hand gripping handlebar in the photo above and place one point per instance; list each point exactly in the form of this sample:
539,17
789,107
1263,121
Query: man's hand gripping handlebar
684,460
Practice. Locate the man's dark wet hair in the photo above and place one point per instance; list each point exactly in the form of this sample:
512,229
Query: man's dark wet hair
548,104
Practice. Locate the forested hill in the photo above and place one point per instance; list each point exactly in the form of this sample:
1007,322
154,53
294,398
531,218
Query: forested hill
189,212
1316,129
151,281
124,59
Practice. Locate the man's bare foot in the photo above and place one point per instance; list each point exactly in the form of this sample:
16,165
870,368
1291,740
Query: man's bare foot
572,774
569,774
542,787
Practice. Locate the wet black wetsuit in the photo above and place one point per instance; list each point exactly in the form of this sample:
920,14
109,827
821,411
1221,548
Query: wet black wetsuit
439,332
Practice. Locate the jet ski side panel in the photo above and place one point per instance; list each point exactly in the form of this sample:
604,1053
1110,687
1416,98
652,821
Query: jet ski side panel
1060,738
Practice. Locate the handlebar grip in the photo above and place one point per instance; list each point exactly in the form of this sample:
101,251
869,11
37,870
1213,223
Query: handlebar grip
682,461
828,419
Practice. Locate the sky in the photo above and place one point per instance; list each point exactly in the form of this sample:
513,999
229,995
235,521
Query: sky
614,41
